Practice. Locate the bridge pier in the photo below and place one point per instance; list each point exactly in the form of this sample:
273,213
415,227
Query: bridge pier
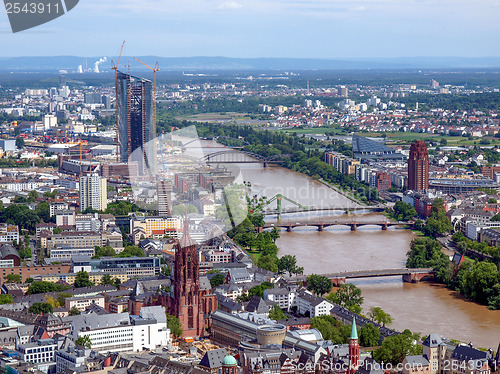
259,229
384,226
338,281
289,228
414,278
354,226
320,227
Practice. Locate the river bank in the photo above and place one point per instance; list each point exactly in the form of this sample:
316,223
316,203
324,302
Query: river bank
424,307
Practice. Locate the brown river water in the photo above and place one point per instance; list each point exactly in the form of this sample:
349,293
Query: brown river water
425,307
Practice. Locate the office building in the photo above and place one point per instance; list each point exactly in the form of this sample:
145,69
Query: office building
93,192
164,194
418,166
135,119
124,332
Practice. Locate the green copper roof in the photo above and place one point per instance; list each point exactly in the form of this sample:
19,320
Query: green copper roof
354,330
229,361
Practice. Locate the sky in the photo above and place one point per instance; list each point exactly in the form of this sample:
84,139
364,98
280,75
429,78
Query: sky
330,29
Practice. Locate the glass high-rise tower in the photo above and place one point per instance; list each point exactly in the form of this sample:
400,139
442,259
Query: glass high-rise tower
135,119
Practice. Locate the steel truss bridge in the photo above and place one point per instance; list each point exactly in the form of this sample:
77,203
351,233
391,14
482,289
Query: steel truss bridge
233,156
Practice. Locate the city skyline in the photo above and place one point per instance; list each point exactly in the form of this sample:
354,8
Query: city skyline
253,28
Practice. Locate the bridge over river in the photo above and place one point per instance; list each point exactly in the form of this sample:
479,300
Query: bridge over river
409,275
289,226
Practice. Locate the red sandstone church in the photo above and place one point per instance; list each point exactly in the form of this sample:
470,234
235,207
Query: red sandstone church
190,300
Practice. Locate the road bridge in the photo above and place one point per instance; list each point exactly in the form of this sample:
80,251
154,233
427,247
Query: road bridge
289,226
409,275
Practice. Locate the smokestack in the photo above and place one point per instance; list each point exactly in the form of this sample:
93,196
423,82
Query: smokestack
97,63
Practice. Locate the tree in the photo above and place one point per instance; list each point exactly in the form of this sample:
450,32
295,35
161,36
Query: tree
41,308
348,296
106,279
395,348
74,311
275,234
369,335
32,196
82,279
43,211
438,223
276,313
12,278
331,329
131,251
20,143
61,298
378,315
288,263
84,341
44,287
117,282
174,325
404,211
49,299
319,284
268,262
259,290
217,280
6,299
106,251
492,200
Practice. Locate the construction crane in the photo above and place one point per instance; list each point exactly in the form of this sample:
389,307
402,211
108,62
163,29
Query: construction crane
115,68
155,69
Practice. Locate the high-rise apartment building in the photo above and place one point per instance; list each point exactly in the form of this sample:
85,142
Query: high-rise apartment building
418,166
343,92
164,194
135,118
93,192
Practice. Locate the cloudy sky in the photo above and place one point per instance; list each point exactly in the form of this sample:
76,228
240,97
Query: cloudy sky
260,28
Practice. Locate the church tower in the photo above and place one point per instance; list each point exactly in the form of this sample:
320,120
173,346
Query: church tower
186,304
353,349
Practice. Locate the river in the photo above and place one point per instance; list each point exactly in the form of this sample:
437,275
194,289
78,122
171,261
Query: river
425,307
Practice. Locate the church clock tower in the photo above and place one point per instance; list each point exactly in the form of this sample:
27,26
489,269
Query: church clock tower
186,303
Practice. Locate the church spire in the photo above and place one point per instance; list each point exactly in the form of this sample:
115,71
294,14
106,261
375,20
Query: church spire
354,330
186,240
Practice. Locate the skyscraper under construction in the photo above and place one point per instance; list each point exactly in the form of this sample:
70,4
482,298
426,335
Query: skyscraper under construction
135,122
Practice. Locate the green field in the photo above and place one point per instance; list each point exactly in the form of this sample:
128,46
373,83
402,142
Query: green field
313,130
216,117
405,138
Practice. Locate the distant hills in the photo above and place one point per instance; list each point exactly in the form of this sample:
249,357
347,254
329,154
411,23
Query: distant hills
71,63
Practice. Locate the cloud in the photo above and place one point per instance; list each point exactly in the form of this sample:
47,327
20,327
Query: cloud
358,9
230,5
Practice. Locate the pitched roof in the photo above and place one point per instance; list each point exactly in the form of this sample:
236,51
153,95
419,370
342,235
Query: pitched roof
433,340
213,359
257,305
467,353
417,360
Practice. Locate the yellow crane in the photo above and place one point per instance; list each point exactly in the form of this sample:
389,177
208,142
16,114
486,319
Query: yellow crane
115,68
155,69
